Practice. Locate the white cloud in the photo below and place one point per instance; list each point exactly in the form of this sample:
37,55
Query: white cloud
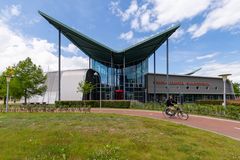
9,11
155,13
15,10
126,14
215,69
126,36
152,14
15,47
206,56
71,48
224,15
193,28
177,34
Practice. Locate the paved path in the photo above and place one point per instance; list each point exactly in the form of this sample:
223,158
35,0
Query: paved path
229,128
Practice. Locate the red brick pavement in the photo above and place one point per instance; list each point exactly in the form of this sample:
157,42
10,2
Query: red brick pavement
224,127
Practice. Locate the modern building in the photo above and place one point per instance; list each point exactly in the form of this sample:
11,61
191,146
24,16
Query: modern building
123,74
70,80
191,88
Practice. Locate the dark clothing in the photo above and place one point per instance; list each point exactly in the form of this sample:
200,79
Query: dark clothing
170,102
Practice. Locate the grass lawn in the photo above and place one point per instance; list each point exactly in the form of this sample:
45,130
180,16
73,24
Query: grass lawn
37,136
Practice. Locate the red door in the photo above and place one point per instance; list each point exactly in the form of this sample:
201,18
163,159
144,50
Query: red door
118,94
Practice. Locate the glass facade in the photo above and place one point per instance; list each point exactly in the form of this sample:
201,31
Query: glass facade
112,80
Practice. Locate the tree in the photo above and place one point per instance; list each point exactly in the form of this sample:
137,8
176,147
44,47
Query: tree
85,87
3,88
29,79
9,72
236,88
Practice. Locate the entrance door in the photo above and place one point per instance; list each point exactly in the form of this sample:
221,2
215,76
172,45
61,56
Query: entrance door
118,94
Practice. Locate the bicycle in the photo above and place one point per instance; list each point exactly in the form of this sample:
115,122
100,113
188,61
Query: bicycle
175,110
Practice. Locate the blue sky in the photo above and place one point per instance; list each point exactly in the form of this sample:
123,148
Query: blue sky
209,36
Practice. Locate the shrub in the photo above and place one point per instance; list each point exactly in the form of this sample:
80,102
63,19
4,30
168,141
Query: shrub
147,106
218,102
231,111
213,102
94,103
27,108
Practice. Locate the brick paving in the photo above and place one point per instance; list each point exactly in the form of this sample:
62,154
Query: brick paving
229,128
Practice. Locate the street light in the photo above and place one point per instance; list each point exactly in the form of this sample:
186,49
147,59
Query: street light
224,77
97,74
8,81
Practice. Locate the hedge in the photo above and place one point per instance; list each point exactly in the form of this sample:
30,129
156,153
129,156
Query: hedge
147,106
27,108
218,102
94,103
231,111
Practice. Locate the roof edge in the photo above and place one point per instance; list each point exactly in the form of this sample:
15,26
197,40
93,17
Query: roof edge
175,27
179,75
47,17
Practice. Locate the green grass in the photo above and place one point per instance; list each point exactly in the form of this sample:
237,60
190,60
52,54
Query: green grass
37,136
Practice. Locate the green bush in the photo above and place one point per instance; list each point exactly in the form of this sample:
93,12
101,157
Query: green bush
94,104
213,102
28,107
147,106
231,111
218,102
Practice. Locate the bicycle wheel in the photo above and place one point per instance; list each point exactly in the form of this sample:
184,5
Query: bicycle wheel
167,112
183,115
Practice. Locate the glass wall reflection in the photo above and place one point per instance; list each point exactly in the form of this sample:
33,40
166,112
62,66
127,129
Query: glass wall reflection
112,80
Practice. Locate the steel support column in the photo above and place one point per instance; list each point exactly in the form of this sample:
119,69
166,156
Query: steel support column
167,68
154,68
59,65
111,77
89,63
224,93
124,91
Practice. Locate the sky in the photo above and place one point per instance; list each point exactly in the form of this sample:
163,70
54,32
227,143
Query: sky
208,38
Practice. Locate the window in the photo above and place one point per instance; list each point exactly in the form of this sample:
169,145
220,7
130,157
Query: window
207,88
216,88
197,87
187,87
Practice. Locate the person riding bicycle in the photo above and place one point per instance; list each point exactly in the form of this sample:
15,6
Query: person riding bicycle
170,103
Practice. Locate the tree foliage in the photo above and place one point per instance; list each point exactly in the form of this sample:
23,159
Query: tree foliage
9,72
27,80
85,87
236,88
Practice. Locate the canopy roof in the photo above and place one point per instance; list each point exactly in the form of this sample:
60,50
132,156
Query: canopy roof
102,53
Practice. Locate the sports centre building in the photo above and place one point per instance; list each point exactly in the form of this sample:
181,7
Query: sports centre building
124,74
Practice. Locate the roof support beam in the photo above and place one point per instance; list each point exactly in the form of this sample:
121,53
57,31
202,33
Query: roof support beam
124,92
111,76
154,68
59,65
89,63
167,55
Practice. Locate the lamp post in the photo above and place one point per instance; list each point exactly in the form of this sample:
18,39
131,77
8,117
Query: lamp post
224,77
100,97
8,81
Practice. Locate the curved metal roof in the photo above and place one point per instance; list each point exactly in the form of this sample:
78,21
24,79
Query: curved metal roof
102,53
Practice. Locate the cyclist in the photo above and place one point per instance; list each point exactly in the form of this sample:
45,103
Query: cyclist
170,104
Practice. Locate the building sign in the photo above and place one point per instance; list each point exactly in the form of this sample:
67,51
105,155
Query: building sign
182,83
